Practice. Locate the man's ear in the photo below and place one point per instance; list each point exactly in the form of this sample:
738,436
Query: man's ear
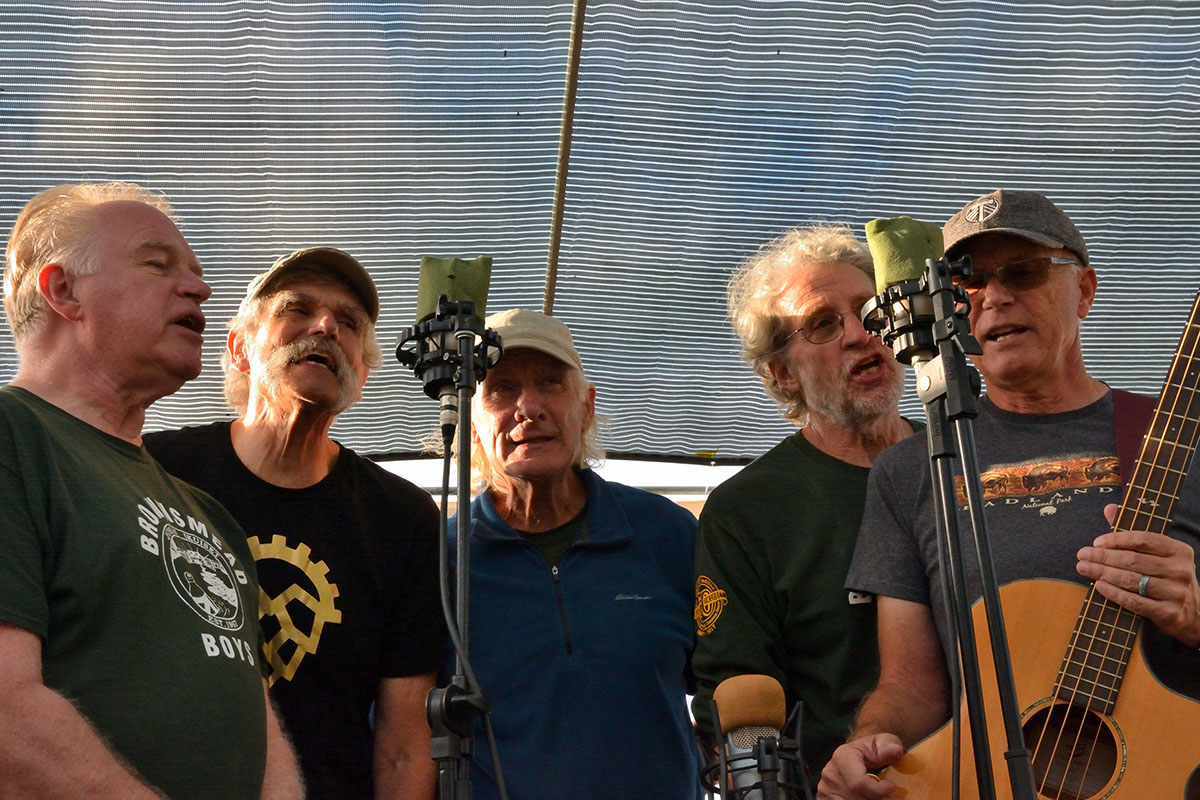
783,375
236,344
57,288
590,401
1087,291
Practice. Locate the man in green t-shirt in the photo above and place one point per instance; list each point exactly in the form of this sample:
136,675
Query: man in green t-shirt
775,540
128,628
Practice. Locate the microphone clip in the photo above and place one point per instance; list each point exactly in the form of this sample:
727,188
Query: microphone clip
450,349
913,317
754,763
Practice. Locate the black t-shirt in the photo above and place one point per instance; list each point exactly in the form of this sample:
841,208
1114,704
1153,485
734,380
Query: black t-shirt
348,569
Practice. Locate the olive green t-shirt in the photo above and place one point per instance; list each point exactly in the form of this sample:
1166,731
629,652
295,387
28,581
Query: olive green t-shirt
143,591
774,546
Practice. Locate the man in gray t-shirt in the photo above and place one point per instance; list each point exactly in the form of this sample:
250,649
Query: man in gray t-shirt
1046,480
1046,443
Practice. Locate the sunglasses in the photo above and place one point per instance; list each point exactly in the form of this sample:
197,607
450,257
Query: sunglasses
1028,273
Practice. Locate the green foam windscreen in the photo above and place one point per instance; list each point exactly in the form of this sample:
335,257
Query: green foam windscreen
899,247
458,279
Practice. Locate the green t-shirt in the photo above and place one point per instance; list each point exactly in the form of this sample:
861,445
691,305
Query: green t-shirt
143,591
774,547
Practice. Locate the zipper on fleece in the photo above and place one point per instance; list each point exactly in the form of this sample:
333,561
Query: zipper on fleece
562,611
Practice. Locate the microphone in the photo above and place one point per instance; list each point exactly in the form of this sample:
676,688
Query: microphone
749,711
449,348
910,271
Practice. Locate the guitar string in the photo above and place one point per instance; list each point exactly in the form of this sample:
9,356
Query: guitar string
1180,442
1105,605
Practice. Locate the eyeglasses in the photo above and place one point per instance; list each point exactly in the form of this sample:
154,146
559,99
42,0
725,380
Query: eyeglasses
822,327
1028,273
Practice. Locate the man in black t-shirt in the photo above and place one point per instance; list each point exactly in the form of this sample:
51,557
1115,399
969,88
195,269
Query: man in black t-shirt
346,552
775,540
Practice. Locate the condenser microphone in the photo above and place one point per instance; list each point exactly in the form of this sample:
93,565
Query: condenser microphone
752,712
449,347
456,279
899,247
902,249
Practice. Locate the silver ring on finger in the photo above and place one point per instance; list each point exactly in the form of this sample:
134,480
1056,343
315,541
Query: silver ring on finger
1143,584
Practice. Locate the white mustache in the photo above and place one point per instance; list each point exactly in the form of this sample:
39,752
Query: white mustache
296,351
300,349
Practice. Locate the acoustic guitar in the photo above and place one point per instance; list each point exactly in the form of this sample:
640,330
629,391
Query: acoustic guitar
1098,723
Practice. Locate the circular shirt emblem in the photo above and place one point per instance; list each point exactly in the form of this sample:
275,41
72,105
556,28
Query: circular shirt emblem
710,601
202,578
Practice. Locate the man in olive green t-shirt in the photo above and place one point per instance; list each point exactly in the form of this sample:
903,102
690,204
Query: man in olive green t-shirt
128,601
776,539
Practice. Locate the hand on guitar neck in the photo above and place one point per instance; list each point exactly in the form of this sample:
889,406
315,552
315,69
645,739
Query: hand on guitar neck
1164,569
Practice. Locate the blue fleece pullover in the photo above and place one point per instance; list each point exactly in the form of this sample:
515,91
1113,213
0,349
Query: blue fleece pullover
585,666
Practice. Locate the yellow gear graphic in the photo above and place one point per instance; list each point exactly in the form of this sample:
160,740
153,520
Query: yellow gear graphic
323,609
710,601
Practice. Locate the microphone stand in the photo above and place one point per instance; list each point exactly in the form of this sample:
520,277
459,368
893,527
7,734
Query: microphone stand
925,323
443,352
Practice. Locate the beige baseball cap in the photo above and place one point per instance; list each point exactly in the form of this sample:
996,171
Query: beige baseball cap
338,263
520,327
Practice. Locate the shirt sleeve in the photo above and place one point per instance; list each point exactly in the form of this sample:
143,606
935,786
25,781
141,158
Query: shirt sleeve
415,641
737,624
887,558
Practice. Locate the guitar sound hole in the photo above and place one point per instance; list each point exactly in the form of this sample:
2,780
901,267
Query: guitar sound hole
1074,753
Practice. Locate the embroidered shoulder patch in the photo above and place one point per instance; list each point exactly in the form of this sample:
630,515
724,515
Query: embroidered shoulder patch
709,602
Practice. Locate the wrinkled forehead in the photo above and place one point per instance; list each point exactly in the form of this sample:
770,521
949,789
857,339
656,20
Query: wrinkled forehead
315,292
131,228
990,250
529,361
837,286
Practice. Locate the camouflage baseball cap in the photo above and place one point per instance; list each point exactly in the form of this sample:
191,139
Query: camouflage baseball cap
1029,215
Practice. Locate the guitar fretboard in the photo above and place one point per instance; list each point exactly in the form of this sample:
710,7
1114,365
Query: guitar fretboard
1106,633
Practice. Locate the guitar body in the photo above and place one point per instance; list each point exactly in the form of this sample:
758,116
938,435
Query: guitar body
1147,749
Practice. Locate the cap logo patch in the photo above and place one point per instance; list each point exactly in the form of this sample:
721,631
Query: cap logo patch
982,211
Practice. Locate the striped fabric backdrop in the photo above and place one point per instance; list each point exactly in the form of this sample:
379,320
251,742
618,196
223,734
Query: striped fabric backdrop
702,129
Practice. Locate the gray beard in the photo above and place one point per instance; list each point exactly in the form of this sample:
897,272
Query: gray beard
851,408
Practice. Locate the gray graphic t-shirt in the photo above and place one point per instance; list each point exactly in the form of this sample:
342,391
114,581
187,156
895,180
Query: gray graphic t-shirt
1046,480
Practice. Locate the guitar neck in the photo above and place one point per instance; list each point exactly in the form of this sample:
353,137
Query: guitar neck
1106,632
1153,488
